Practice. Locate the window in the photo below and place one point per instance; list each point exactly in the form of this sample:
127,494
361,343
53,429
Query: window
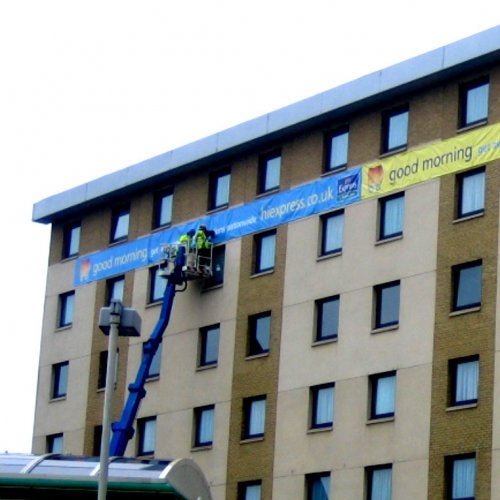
318,486
218,259
269,172
259,333
71,240
392,213
114,289
209,345
471,193
332,231
60,380
395,130
204,426
337,145
103,367
55,443
474,103
96,447
462,477
387,304
249,491
119,224
254,410
383,393
327,318
379,481
322,397
162,210
147,435
467,286
219,189
464,380
66,309
265,249
157,285
154,369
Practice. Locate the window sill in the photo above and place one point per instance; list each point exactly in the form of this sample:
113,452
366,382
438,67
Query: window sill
217,209
263,273
252,440
267,193
386,154
69,258
461,407
468,217
206,367
317,343
333,171
317,430
384,329
389,240
380,420
153,378
202,448
103,389
250,357
56,400
62,328
210,288
161,228
328,256
466,128
117,242
465,311
156,303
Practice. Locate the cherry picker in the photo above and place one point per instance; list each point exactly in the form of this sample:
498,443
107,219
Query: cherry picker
181,263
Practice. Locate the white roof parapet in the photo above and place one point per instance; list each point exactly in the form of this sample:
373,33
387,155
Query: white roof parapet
432,65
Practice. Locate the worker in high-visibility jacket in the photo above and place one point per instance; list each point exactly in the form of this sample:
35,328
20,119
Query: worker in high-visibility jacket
203,240
188,241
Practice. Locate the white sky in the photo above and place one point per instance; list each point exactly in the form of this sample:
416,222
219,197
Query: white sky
89,87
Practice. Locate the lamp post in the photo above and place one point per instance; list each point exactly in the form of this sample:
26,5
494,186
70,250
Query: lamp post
114,321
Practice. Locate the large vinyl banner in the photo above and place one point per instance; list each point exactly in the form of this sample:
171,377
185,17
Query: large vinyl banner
452,155
458,153
320,196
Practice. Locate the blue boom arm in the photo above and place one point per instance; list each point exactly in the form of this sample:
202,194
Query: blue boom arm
123,430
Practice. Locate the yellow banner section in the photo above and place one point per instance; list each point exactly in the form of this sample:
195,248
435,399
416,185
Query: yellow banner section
452,155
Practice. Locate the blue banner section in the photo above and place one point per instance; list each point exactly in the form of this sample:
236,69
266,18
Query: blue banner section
320,196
